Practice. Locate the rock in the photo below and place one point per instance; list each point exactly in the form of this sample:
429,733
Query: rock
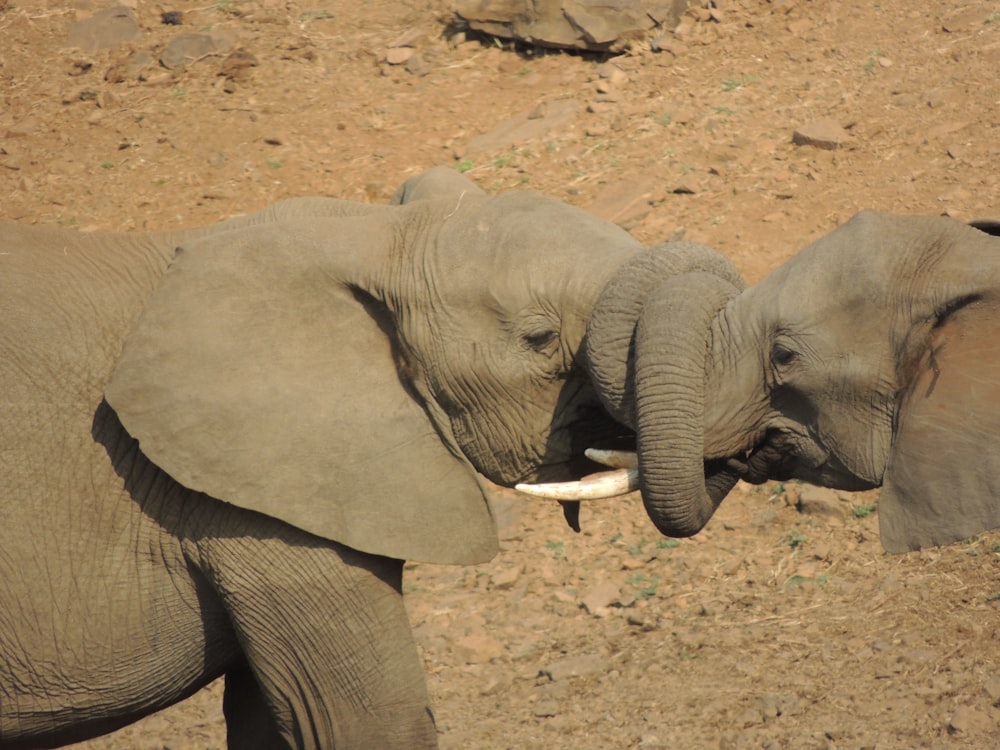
237,66
968,19
185,49
826,134
819,501
477,648
21,128
535,123
105,29
967,720
992,688
602,596
398,55
570,667
597,25
505,579
625,202
546,708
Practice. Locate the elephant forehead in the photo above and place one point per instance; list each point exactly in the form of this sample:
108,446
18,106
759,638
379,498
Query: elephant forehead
521,226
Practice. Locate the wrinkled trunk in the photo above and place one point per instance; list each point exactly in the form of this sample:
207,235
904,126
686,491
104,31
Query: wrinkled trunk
647,346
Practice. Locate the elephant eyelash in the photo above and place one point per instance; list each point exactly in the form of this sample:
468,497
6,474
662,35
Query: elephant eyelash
540,341
782,356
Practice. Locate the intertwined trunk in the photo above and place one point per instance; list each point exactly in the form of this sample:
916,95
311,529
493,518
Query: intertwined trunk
647,345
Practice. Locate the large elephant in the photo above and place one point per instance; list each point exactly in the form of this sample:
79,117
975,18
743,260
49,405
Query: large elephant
870,359
217,446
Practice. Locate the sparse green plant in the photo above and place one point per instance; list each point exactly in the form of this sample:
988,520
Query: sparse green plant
314,15
616,537
558,549
275,163
179,93
107,164
996,548
666,118
644,585
724,111
636,549
731,84
796,539
993,598
667,543
464,166
865,510
872,60
88,95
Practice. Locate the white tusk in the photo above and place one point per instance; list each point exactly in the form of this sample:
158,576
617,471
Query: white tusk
598,486
614,459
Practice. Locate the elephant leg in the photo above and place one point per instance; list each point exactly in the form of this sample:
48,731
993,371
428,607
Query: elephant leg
327,640
249,722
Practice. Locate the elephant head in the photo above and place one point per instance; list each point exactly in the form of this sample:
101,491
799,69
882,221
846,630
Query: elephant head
869,359
360,375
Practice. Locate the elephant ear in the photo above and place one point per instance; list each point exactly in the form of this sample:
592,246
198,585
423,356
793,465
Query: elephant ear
942,481
264,374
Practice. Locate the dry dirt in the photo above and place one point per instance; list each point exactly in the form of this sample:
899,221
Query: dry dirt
774,628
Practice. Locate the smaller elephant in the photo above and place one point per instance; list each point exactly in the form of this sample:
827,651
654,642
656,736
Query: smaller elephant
218,445
870,359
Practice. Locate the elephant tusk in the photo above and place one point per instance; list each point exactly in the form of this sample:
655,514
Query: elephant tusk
614,459
598,486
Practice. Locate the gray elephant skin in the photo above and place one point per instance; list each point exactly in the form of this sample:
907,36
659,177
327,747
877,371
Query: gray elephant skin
870,359
217,446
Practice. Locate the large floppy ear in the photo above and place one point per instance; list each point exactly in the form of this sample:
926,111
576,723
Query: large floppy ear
942,481
263,372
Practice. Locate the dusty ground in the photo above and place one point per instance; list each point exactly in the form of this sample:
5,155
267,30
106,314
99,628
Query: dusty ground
774,628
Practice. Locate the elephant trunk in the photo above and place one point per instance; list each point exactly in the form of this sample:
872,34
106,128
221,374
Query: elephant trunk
679,490
647,345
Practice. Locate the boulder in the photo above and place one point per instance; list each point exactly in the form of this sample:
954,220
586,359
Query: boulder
596,25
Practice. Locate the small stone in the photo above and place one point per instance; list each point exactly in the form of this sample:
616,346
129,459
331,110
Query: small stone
992,688
417,66
967,719
185,49
602,596
477,648
820,501
398,55
570,667
505,579
546,708
825,134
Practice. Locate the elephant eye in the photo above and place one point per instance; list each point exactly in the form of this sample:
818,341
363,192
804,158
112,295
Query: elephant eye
540,340
782,356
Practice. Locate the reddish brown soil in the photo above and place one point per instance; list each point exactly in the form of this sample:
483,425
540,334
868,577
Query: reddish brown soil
774,628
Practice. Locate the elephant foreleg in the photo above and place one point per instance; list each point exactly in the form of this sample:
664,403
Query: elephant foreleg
249,720
328,645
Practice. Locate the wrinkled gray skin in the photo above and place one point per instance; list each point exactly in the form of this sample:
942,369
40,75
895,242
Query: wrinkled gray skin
218,445
869,359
